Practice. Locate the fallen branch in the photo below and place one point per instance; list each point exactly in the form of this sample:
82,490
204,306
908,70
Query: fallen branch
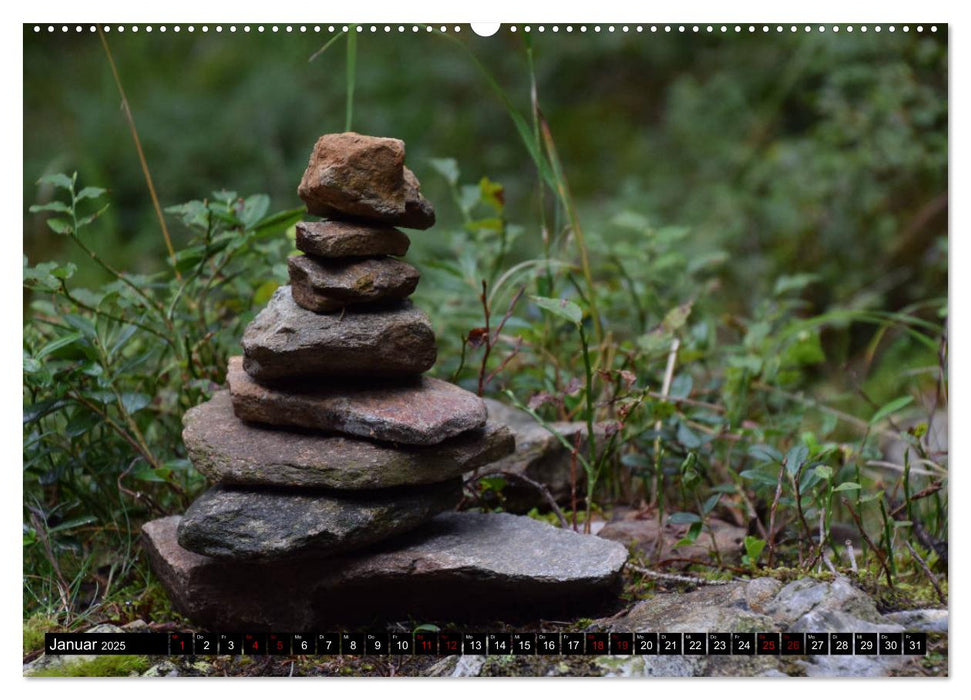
545,492
699,562
927,571
924,493
675,577
866,537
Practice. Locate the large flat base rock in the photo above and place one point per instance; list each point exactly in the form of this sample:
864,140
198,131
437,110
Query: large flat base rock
227,450
457,567
286,341
412,411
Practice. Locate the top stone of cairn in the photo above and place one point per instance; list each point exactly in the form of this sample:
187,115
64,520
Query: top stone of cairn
354,176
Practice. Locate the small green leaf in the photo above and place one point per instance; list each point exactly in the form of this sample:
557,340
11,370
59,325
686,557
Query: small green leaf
687,437
492,194
759,477
796,457
690,536
683,518
753,548
676,317
793,283
278,222
56,345
64,272
681,386
872,497
427,627
61,226
154,475
847,486
58,180
492,483
890,408
193,214
263,293
765,453
84,221
709,505
824,472
227,197
50,206
254,209
560,307
134,402
73,523
90,193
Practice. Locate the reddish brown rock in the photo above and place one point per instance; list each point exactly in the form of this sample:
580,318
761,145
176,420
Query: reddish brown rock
227,450
419,411
346,239
350,175
286,341
458,567
642,534
323,285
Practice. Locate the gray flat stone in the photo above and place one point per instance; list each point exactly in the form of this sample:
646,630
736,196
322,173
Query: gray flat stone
358,176
227,450
247,524
418,411
346,239
287,341
457,567
323,285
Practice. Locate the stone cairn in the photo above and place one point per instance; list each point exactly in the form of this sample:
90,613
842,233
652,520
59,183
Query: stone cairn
331,455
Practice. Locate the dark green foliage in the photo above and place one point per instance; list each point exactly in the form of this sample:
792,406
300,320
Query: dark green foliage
109,372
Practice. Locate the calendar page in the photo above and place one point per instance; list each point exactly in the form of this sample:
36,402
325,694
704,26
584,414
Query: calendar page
543,349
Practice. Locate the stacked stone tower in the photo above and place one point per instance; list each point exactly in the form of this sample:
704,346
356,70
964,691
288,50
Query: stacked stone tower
330,445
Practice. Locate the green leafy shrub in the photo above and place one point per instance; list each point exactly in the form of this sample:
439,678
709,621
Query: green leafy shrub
109,372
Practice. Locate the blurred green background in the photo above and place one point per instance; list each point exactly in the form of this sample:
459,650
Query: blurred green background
822,153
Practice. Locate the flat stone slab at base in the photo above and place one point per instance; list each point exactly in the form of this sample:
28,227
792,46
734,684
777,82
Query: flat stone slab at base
238,523
457,567
347,239
227,450
286,341
419,411
322,285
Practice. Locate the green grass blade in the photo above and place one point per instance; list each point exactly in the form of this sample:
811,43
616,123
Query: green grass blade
351,74
326,46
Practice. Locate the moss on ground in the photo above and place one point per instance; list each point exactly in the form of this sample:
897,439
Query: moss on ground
100,667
